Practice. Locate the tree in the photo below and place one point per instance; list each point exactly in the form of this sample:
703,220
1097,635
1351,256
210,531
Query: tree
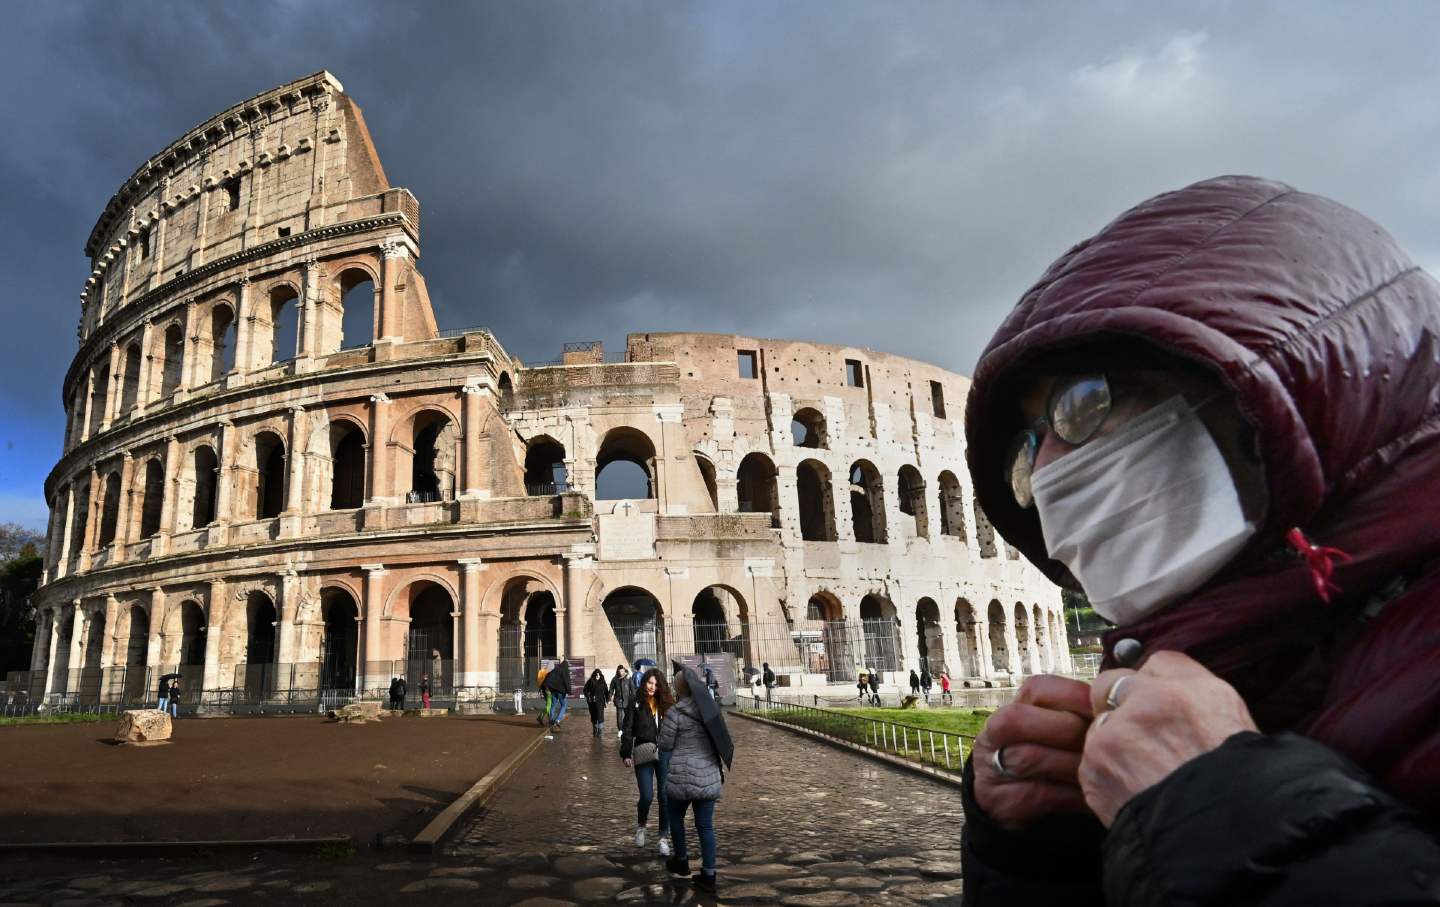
20,569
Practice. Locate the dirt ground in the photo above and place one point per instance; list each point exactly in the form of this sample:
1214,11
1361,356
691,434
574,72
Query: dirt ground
239,778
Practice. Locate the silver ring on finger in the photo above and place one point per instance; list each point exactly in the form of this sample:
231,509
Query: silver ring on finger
1112,698
997,758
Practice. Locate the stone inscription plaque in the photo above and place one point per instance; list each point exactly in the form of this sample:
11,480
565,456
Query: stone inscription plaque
626,534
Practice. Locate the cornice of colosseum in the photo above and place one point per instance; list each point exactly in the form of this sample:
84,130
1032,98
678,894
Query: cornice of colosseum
196,138
154,301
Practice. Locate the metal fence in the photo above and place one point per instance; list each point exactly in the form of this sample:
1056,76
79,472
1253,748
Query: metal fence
939,749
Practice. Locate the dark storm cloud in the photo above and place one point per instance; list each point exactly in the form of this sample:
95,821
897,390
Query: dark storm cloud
877,174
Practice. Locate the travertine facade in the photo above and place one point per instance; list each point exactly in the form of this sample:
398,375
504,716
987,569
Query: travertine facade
280,476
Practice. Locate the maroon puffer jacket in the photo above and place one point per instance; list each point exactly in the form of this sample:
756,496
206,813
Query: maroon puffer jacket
1329,337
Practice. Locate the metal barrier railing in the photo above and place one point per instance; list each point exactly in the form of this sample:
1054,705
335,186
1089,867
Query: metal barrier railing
927,746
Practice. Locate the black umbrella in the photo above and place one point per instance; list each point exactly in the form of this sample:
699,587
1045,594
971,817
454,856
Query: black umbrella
167,677
710,715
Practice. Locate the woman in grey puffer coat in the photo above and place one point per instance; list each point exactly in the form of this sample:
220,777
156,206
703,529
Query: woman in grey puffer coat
694,780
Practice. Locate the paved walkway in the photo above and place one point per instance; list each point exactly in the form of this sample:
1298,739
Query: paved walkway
801,824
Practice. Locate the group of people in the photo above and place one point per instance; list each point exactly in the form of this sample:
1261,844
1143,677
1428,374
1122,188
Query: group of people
399,689
169,695
922,683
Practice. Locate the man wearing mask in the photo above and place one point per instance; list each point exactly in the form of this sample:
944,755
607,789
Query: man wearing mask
1218,418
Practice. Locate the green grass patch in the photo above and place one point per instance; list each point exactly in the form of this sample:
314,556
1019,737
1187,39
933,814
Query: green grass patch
954,721
912,742
61,718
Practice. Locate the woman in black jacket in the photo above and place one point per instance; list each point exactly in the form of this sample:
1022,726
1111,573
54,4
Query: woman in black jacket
596,694
622,693
639,735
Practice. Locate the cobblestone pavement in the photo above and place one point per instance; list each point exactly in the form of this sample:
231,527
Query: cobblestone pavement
802,825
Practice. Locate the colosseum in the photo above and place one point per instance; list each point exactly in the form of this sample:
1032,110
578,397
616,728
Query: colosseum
284,482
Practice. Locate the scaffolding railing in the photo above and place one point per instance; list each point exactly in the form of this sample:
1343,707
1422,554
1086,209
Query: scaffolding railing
927,746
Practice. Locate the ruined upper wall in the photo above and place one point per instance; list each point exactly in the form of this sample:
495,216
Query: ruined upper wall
288,160
812,375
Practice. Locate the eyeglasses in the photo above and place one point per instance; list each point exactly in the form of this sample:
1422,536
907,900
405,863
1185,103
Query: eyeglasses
1076,409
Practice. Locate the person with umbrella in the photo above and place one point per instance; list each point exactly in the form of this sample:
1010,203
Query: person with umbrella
164,689
696,737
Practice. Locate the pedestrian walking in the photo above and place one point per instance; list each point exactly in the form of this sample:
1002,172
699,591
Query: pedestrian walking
558,683
874,688
162,691
404,689
173,697
394,694
540,675
769,680
1217,418
711,683
597,693
639,747
914,684
696,777
425,690
622,693
926,682
862,683
945,697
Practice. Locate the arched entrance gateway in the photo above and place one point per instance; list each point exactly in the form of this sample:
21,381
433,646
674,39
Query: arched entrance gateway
527,632
429,644
634,616
882,633
832,655
339,645
255,677
930,639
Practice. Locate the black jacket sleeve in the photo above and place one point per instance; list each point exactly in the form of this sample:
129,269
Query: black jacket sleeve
1053,861
1270,820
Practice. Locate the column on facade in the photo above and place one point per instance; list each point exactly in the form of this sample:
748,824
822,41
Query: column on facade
214,615
470,605
56,619
127,507
83,433
190,331
285,625
108,644
295,463
579,634
92,512
147,366
474,484
40,651
986,658
950,642
54,536
379,448
67,532
79,622
113,386
244,322
392,265
311,302
374,667
154,642
169,502
224,477
1012,644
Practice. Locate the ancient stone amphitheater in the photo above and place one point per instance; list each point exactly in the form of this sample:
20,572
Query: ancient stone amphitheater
282,481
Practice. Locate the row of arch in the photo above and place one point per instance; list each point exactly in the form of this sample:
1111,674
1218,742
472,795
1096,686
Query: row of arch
135,376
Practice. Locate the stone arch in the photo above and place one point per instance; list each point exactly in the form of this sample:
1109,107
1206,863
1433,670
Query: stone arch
1024,640
912,500
757,487
80,523
281,328
545,471
929,637
528,629
340,639
625,465
110,509
268,457
152,498
130,376
966,634
427,444
952,506
719,617
1043,653
136,655
707,475
359,308
506,389
867,503
636,618
881,626
170,359
99,395
222,341
205,484
807,428
347,446
999,648
429,604
836,658
816,500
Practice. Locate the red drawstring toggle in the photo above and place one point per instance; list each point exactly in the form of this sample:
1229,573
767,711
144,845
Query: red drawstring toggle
1320,560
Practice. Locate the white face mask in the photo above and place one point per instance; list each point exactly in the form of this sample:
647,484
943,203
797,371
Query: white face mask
1144,515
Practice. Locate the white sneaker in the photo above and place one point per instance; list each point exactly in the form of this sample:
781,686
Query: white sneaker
665,846
640,836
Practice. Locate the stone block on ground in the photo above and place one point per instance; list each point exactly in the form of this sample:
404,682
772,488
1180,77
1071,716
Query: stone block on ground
143,726
356,713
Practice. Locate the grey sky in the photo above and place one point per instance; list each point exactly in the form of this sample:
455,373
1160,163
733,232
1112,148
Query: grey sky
891,175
